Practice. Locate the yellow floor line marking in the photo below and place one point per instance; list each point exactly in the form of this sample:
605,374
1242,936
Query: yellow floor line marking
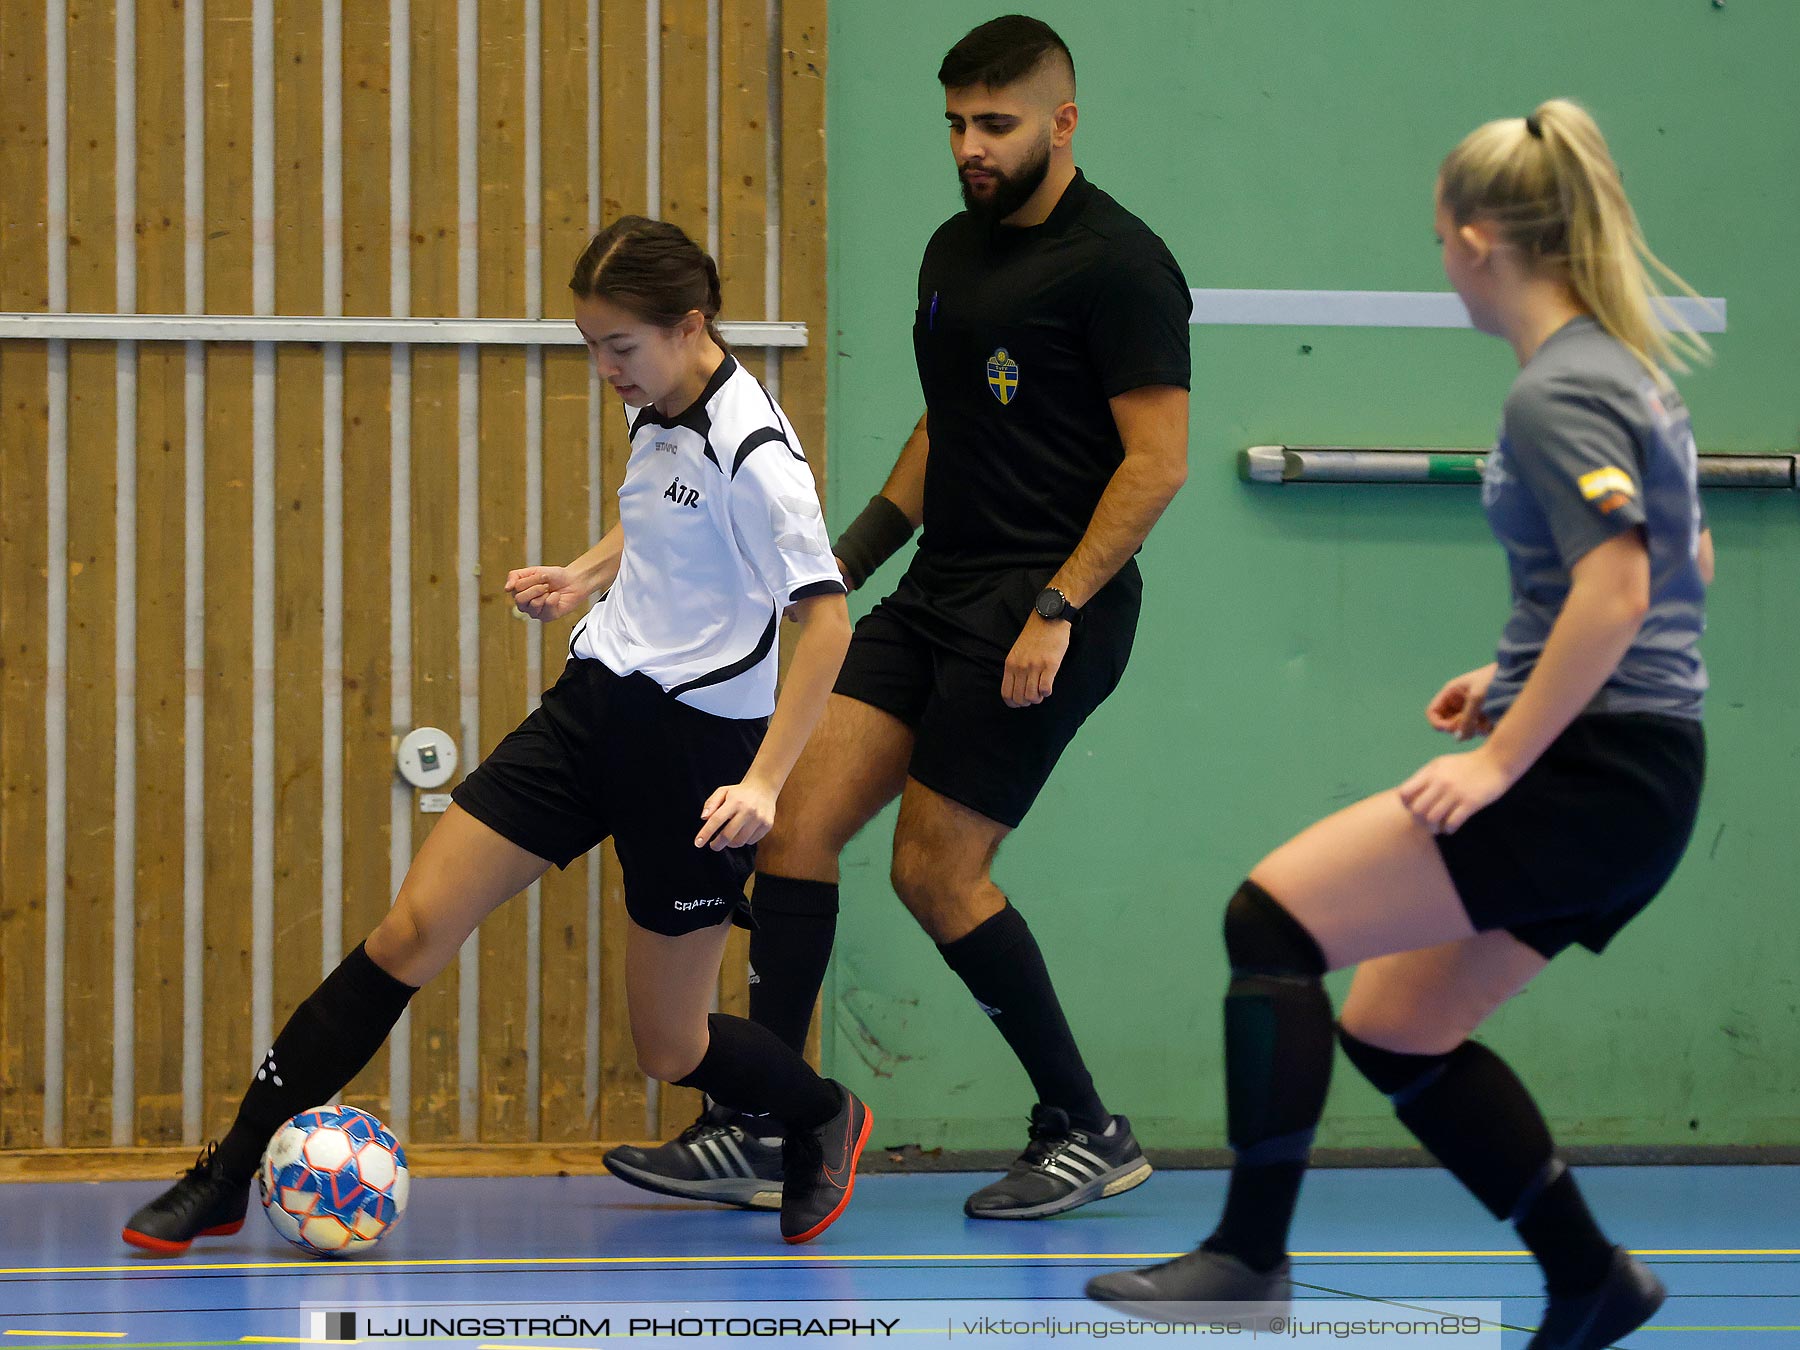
741,1258
110,1334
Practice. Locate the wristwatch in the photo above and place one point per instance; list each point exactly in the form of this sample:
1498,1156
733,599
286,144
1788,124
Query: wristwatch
1053,604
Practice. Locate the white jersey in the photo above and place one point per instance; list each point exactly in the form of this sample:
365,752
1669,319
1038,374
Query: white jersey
723,531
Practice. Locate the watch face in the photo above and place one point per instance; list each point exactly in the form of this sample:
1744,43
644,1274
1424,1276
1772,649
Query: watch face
1050,603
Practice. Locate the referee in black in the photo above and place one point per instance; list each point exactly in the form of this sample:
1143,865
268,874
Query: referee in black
1052,344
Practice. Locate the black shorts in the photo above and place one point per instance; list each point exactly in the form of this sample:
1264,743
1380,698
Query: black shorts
606,754
968,745
1588,836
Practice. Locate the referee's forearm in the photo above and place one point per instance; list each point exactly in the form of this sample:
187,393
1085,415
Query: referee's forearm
1133,502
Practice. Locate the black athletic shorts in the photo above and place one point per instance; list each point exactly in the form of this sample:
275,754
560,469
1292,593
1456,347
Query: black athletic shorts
606,754
968,745
1588,836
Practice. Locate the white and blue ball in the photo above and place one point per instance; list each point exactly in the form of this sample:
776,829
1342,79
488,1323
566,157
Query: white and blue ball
333,1180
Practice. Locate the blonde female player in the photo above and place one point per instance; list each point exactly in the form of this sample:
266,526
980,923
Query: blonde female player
1451,893
658,733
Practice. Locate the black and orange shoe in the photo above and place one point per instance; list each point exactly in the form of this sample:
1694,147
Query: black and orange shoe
204,1203
819,1167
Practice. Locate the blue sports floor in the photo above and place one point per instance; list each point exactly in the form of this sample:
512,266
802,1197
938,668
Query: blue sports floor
1725,1239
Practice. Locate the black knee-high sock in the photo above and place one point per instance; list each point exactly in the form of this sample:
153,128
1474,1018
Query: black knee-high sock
1479,1121
790,947
325,1044
1277,1067
749,1066
1001,964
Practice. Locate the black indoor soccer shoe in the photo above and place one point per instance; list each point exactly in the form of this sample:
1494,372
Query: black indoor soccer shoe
1176,1289
719,1158
1062,1168
204,1203
821,1169
1627,1298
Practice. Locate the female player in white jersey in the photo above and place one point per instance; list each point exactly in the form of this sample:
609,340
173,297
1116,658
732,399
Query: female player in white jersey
659,733
1453,892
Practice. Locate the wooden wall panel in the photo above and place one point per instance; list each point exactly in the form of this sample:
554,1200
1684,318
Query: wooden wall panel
504,1078
436,664
92,569
565,1105
230,1057
299,512
368,667
24,544
161,583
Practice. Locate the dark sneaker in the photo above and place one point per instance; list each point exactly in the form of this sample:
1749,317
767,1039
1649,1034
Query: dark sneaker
821,1170
716,1158
1061,1168
1200,1277
1627,1298
204,1203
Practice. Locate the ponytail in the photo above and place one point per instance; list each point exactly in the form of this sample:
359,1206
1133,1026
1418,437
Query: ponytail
1548,183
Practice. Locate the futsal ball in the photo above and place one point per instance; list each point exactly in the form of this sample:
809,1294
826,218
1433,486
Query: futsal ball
333,1180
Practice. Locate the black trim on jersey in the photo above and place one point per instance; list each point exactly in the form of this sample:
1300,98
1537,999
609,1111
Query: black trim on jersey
635,424
775,414
694,416
580,628
708,452
761,436
807,592
736,668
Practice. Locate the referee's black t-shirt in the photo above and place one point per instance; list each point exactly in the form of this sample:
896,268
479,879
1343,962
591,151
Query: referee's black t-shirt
1021,337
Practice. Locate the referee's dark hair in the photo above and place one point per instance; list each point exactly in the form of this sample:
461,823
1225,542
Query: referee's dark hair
653,270
1001,52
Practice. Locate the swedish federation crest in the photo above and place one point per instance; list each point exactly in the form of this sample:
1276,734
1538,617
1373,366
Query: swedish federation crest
1003,375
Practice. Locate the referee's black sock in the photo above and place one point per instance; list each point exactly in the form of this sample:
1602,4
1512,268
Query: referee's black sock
325,1044
1001,964
790,947
749,1066
1478,1120
1277,1067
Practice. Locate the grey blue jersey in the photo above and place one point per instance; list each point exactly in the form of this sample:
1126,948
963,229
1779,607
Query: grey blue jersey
1590,447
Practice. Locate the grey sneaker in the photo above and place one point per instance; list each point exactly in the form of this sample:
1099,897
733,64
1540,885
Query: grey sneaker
717,1158
1062,1168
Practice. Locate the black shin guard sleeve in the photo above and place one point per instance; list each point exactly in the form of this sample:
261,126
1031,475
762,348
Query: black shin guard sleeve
325,1044
1004,969
1277,1031
1277,1067
790,948
1470,1110
749,1067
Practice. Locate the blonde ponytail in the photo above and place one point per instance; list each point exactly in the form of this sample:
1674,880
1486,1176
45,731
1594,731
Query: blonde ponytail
1548,183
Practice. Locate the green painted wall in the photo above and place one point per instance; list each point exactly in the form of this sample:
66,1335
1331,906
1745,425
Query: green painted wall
1290,637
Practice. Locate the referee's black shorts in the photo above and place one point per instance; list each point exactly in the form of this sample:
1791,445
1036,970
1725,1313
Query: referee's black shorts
967,744
1588,836
606,754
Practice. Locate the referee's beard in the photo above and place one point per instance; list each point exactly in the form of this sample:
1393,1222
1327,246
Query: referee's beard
1011,191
